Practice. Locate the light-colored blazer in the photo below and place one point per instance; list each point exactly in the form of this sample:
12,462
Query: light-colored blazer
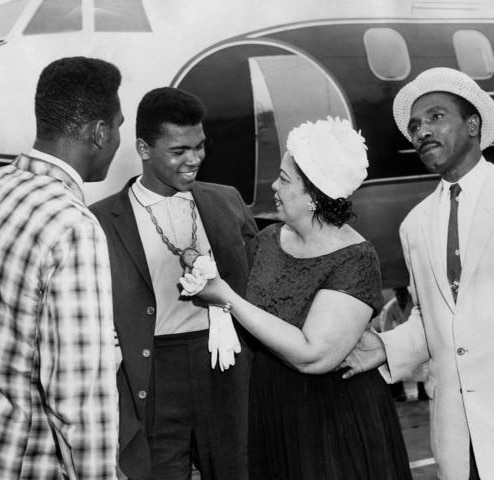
458,339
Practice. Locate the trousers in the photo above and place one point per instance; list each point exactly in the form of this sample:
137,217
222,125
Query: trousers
196,414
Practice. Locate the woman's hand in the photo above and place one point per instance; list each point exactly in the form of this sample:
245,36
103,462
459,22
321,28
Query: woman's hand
196,278
204,281
215,291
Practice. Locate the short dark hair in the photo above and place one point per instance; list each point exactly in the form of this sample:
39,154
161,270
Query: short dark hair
167,105
72,92
465,107
336,211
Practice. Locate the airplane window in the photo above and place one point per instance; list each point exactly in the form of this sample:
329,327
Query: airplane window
387,53
120,16
56,16
474,54
9,13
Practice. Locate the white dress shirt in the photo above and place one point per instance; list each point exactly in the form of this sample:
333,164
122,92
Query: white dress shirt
467,201
174,314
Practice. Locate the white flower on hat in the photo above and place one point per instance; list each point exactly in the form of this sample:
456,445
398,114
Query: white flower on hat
331,154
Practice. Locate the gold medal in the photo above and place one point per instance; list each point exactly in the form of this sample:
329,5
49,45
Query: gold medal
188,257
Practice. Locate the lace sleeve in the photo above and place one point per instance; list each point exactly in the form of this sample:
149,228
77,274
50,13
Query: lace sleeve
359,276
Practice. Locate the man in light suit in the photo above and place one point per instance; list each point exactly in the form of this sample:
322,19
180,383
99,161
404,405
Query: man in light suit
173,406
449,120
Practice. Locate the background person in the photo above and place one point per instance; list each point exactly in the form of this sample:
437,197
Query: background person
448,244
58,395
173,406
313,288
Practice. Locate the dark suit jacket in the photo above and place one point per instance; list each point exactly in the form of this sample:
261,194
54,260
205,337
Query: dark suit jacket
229,227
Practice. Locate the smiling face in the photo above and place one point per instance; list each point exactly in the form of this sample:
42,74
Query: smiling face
446,141
171,164
289,193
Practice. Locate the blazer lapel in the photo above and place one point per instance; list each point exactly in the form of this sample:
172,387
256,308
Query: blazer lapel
206,208
126,228
481,230
432,238
215,228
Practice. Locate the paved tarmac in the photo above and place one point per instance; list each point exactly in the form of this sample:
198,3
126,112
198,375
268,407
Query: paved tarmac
414,419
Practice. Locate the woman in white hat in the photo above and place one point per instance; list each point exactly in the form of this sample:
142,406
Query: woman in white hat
314,287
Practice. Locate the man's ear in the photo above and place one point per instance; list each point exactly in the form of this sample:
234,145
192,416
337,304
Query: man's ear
474,125
142,149
100,132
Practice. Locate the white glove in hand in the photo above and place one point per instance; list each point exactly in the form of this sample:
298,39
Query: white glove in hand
214,337
223,340
192,284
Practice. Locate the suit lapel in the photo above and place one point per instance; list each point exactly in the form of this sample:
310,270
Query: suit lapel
126,228
481,230
214,226
432,238
206,208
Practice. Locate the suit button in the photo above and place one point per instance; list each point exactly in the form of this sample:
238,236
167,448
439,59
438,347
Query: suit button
142,394
146,353
150,310
460,351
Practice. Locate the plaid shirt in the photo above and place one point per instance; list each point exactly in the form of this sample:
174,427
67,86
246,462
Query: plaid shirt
57,359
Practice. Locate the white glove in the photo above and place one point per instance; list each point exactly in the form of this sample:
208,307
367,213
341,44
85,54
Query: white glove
223,340
192,284
214,337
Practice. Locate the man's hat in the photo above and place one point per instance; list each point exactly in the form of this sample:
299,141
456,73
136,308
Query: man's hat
447,80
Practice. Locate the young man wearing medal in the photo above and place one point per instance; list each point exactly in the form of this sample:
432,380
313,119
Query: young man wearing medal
174,407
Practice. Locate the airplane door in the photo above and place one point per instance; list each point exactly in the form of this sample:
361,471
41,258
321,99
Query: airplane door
287,90
256,91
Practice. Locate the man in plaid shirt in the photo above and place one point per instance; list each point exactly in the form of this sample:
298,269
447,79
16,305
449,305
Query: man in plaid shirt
58,397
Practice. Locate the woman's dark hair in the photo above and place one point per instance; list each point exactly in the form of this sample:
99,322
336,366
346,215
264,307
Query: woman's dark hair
328,210
72,92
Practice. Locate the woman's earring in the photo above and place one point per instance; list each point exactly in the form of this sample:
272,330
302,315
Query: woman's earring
311,206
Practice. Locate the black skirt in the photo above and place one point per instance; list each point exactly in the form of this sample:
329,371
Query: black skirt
321,427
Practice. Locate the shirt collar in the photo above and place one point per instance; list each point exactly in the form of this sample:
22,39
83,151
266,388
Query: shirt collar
59,163
147,197
469,183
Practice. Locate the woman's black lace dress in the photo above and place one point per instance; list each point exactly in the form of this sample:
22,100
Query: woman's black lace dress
318,427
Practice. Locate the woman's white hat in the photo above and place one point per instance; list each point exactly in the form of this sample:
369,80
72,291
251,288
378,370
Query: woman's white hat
449,80
332,155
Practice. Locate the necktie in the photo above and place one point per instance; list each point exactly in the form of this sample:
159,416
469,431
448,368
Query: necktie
453,262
